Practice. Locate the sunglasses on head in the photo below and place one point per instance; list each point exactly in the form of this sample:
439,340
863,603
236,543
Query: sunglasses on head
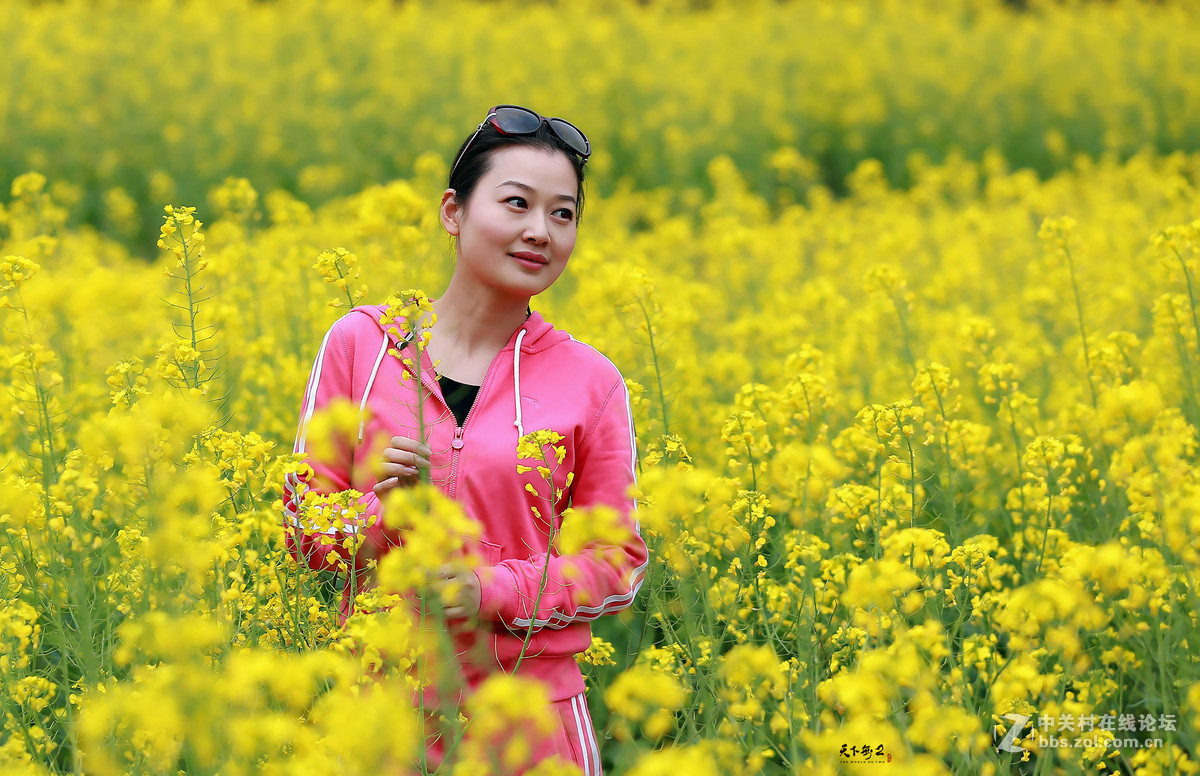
515,120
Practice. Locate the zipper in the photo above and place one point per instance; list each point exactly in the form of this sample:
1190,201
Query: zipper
456,444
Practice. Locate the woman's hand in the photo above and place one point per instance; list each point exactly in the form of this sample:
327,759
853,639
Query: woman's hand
401,464
459,590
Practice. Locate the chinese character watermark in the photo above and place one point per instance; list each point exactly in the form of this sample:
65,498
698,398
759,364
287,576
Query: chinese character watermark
1085,730
863,752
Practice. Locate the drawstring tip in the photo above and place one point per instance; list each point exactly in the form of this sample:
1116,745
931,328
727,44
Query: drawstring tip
517,384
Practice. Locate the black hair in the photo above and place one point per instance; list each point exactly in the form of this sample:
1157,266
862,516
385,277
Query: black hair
470,168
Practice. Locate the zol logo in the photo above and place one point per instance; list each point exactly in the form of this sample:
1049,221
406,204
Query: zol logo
1006,744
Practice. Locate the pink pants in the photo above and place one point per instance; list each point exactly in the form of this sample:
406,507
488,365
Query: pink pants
573,740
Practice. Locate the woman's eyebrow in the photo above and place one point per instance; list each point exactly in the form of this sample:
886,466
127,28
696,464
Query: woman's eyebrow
532,190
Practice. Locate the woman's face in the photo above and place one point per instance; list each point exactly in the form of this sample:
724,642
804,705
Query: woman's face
518,229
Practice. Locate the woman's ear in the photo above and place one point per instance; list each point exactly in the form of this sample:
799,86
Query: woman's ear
450,212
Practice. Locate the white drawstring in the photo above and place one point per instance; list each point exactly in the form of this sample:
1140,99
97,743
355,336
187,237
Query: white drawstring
517,383
362,408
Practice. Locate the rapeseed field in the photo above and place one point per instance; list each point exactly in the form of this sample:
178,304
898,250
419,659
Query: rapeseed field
904,296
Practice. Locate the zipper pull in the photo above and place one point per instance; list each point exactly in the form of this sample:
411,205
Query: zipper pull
458,434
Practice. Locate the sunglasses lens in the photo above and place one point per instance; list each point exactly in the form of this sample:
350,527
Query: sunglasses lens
516,121
571,136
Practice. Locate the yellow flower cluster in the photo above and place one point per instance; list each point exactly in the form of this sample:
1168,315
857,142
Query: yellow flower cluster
595,527
180,234
236,198
600,653
333,518
408,314
436,530
647,696
16,271
506,713
541,448
533,446
340,267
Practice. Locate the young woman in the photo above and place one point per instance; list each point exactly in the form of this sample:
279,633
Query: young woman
513,201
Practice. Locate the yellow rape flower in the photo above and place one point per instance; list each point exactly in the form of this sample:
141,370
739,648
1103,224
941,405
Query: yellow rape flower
506,715
434,531
645,695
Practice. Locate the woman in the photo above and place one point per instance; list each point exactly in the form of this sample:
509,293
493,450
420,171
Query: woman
512,203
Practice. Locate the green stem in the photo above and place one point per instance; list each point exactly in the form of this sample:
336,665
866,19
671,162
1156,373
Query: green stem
192,311
810,437
45,435
946,445
912,483
904,330
425,475
1187,277
44,427
878,507
1046,531
1087,358
1012,417
545,567
662,397
337,264
750,454
424,764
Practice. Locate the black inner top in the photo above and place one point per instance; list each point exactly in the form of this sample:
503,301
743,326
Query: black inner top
459,397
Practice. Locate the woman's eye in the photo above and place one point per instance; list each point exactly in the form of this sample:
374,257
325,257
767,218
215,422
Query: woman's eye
518,201
564,213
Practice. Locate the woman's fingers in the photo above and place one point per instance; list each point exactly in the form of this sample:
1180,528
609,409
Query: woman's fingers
458,588
411,445
401,470
401,464
395,475
387,484
410,457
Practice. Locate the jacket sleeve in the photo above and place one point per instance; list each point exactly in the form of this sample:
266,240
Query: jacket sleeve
602,578
331,473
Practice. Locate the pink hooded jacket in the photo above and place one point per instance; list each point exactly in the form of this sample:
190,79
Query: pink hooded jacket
542,379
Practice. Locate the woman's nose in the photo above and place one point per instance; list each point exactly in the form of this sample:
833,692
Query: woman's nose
535,229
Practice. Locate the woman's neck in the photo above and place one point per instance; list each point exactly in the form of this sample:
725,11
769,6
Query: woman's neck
476,324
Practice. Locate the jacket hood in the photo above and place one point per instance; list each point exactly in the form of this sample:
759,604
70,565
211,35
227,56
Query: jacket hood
539,333
534,335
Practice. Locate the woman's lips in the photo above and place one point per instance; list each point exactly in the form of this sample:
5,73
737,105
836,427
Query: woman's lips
530,260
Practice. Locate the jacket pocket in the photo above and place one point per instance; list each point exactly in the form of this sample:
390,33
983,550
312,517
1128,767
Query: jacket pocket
491,553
